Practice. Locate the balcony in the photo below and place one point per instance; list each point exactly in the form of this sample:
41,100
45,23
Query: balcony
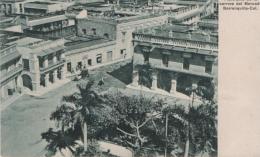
11,74
184,43
52,66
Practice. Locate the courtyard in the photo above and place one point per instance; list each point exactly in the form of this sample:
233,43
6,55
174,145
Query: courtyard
24,120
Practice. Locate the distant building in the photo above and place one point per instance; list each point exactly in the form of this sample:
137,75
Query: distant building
118,26
56,25
179,56
44,7
8,7
86,53
11,69
43,62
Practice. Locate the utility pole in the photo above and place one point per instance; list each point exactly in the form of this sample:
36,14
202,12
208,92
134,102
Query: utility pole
166,135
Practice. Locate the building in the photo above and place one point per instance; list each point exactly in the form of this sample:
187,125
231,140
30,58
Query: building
44,7
56,25
8,7
118,26
83,52
11,69
43,63
179,56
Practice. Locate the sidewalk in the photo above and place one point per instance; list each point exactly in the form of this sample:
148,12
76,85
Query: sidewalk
51,87
9,101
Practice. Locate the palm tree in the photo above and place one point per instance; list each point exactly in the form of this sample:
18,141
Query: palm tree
59,141
79,109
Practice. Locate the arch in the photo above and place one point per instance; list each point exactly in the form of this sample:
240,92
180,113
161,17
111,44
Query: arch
27,81
183,82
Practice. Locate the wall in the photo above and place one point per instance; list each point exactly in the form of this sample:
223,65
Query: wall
129,28
101,27
82,55
197,62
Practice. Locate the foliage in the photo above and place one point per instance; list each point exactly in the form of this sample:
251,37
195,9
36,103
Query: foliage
58,140
145,75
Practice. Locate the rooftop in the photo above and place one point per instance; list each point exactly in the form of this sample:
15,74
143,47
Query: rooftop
178,32
74,43
41,2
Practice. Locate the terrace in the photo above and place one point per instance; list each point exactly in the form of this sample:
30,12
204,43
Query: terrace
178,39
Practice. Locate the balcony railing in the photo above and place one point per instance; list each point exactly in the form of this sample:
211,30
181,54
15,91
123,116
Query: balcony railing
52,66
11,73
172,42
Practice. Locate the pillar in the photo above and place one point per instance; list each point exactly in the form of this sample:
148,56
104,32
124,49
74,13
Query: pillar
154,82
47,77
174,86
135,77
62,73
46,62
62,56
55,75
54,58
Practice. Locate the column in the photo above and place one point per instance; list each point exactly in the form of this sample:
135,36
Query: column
55,75
154,82
47,77
174,86
54,59
62,73
62,56
135,78
45,62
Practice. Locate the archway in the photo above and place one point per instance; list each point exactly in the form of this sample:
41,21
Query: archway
184,82
27,81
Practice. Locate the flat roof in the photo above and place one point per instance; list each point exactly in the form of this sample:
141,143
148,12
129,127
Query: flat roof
25,41
81,42
41,2
191,35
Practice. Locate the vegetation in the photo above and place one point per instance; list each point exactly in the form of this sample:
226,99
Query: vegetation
146,125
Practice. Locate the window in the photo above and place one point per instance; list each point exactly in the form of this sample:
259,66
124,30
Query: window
186,64
123,53
109,56
146,57
26,65
69,67
94,31
165,60
89,62
84,31
99,58
79,66
123,36
106,36
21,8
208,67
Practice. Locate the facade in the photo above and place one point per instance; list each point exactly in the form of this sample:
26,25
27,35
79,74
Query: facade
43,64
56,25
180,57
8,7
44,7
11,69
82,53
119,27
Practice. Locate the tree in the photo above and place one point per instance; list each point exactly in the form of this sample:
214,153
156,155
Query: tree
79,109
59,140
133,118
